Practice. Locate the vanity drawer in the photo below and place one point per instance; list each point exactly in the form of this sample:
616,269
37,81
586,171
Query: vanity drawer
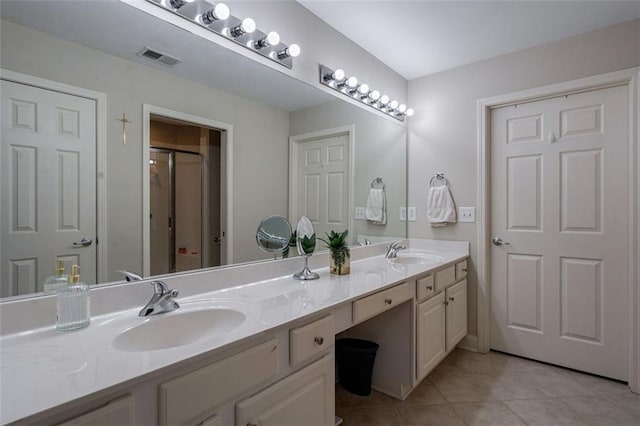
425,288
371,306
445,277
311,339
203,390
461,270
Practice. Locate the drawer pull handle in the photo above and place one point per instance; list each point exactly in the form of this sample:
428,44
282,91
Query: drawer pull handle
464,269
319,340
429,287
452,299
388,301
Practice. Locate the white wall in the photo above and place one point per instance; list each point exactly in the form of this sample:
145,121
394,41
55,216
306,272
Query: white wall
260,135
443,132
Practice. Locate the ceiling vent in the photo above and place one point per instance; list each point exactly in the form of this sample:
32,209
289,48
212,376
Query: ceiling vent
157,56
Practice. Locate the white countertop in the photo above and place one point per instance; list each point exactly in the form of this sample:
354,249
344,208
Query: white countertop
42,368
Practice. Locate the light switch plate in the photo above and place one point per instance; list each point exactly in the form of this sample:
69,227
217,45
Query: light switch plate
412,214
466,214
360,212
403,214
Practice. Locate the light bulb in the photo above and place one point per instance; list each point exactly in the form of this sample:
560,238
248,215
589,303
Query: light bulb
247,26
220,12
338,74
352,82
363,89
409,112
402,108
374,95
393,105
270,39
290,52
273,38
294,50
384,100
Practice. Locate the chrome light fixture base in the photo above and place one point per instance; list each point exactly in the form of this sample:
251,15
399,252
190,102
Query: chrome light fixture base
195,9
362,93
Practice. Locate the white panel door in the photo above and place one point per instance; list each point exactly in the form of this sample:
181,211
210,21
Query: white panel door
560,199
431,337
323,183
48,189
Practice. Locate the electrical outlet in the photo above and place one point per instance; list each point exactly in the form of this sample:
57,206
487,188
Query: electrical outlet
403,214
466,214
360,213
412,214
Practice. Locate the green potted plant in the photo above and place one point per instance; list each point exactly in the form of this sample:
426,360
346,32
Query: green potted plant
340,257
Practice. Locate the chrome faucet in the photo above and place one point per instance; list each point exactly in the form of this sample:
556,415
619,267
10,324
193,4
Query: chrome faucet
131,276
161,301
393,249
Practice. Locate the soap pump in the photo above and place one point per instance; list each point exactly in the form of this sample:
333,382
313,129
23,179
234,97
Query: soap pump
73,303
57,280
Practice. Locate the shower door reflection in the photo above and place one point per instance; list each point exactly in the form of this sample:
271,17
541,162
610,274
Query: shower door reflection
176,210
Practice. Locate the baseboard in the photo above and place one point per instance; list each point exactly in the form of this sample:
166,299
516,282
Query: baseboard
469,343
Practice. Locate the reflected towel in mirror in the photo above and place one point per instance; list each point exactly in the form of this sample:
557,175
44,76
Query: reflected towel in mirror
376,207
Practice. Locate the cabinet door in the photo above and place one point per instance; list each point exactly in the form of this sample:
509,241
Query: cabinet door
431,334
456,296
118,412
304,398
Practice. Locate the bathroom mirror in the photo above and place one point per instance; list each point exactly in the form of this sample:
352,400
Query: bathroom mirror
306,244
256,118
273,235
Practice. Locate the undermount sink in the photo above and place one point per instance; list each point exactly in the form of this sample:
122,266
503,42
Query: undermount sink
416,258
179,328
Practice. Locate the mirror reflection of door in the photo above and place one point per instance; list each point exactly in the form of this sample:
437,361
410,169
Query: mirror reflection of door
48,186
322,182
185,202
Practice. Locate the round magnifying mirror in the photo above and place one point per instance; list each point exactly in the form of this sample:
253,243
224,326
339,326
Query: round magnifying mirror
306,237
274,234
306,244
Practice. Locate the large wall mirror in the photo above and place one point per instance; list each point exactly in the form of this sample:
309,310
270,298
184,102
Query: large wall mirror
118,163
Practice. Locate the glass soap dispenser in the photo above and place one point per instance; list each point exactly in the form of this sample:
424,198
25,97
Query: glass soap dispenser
57,280
73,303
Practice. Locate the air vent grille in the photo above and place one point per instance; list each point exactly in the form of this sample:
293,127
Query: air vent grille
157,56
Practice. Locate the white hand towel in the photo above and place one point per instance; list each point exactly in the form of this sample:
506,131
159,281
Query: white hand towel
441,209
376,209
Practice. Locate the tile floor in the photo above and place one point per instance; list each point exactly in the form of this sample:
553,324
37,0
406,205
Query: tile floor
469,388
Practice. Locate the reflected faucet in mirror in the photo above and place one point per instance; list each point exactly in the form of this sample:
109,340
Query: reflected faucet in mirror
131,276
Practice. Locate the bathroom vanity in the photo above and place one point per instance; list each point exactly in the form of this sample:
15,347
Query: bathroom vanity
249,344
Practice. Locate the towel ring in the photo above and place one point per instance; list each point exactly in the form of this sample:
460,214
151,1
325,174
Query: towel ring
375,184
439,177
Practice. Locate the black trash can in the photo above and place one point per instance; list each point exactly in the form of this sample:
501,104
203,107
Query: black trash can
354,359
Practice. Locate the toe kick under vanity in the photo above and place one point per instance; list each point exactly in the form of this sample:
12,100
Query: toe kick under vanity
265,356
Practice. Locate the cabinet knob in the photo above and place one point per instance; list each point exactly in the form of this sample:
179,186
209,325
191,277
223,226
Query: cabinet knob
252,424
319,340
445,303
388,301
429,287
451,298
464,270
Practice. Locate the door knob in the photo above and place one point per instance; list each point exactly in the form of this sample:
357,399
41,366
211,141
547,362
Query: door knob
83,243
499,242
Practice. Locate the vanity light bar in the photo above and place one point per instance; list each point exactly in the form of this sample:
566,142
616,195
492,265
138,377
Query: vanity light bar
349,86
216,17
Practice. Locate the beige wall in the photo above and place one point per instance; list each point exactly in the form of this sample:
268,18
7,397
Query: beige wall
443,132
